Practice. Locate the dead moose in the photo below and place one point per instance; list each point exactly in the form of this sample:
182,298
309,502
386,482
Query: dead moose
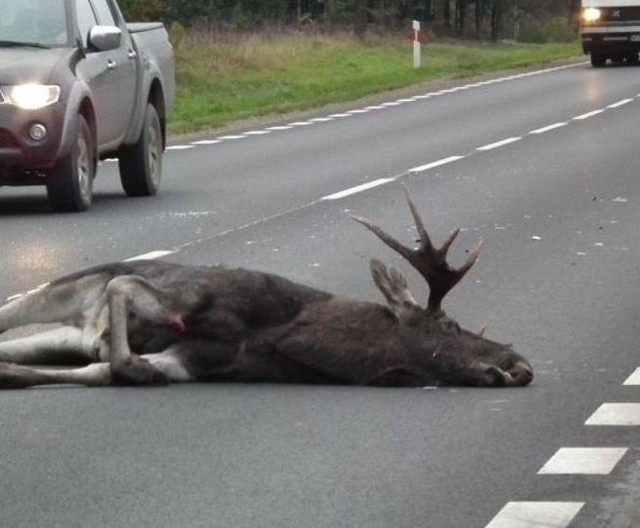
188,323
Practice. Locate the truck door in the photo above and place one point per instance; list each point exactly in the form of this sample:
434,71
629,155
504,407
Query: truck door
111,74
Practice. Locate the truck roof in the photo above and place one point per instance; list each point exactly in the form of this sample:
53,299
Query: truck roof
610,3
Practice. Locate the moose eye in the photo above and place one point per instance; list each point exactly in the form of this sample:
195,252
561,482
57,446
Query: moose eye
449,325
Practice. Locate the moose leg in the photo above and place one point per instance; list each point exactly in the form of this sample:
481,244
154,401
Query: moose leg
124,294
169,364
61,346
72,302
19,377
79,304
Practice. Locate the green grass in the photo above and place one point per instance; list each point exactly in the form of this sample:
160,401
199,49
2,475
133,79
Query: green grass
225,79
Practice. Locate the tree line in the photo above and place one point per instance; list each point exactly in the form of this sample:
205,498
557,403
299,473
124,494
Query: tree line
493,19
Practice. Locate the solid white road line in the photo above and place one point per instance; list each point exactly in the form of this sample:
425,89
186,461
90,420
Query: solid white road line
583,461
536,515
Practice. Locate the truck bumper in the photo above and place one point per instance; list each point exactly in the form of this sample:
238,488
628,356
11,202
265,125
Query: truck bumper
611,43
30,141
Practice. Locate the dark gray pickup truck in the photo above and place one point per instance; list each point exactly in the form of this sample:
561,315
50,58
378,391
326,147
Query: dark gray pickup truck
78,84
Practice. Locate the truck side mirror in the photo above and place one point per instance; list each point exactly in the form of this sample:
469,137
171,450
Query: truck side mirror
105,38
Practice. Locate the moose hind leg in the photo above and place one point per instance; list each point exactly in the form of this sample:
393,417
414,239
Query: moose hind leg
61,346
132,294
72,302
19,377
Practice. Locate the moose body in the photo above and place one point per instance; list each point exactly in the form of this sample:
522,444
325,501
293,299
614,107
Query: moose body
152,322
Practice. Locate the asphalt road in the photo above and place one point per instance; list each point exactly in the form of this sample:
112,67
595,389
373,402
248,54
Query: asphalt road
542,167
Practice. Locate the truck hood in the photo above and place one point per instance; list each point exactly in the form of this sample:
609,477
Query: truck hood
33,65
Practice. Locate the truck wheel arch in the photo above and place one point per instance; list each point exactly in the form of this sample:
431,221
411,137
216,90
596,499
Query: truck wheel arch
86,110
157,99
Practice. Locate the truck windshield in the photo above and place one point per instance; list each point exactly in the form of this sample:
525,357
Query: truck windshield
33,22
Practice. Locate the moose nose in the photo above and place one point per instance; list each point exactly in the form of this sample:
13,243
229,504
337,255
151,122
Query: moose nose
522,374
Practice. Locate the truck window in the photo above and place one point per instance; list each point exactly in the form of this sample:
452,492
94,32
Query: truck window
86,19
105,15
37,21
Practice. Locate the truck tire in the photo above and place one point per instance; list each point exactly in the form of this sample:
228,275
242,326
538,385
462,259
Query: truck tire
70,188
598,60
141,163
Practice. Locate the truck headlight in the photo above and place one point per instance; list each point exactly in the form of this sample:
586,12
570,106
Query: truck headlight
591,14
31,96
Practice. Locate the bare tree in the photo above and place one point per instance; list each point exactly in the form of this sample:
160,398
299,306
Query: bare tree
360,18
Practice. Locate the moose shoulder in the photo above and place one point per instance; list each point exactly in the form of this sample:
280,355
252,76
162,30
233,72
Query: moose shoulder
189,323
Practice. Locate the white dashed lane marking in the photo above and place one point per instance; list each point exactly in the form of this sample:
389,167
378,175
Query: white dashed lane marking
548,128
588,114
435,164
574,461
620,414
357,189
498,144
583,461
151,255
620,103
634,379
536,515
207,142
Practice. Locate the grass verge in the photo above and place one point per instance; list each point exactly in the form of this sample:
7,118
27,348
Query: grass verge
223,79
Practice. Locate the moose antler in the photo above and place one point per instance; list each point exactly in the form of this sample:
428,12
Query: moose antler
429,261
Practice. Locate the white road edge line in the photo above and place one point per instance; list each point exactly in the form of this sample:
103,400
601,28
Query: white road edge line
357,189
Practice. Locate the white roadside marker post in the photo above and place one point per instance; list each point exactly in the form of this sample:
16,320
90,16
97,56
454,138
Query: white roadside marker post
417,59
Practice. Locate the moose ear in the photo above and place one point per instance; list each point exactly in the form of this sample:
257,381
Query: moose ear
393,285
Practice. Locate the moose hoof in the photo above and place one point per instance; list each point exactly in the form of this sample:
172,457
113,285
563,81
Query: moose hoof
137,371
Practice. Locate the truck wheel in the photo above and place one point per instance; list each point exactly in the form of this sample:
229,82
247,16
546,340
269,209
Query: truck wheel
598,60
141,163
71,185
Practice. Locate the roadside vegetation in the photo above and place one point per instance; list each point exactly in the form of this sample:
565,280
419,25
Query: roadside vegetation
247,59
224,77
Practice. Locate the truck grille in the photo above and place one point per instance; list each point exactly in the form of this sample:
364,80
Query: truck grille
7,140
620,14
